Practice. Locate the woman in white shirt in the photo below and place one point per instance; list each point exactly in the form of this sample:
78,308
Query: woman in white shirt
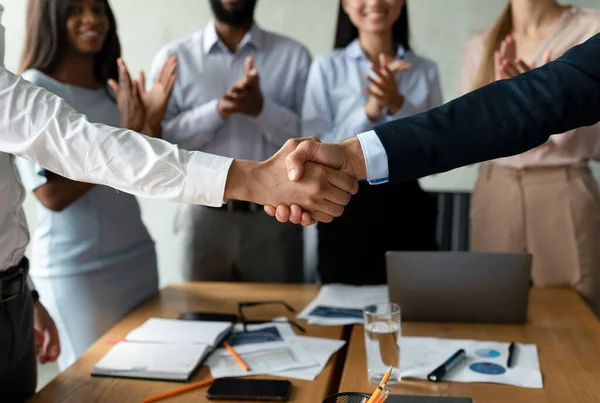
93,259
372,40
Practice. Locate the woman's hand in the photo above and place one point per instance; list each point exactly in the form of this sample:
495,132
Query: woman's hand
157,99
47,343
507,51
512,68
129,100
383,92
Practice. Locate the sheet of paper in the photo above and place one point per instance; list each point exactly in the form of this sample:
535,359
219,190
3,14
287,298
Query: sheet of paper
338,304
277,331
321,349
147,357
161,330
261,359
485,362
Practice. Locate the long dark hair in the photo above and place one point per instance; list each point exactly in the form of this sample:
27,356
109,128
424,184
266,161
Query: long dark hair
46,39
346,31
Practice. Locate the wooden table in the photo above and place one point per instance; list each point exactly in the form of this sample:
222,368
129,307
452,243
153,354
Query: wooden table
76,385
564,329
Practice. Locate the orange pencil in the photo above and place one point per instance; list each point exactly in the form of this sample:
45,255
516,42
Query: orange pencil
386,376
178,391
375,396
236,356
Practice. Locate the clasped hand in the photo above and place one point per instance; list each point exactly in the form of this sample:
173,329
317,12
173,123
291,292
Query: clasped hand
245,95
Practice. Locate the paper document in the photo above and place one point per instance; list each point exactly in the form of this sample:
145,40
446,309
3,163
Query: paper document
261,359
321,349
147,360
158,330
485,362
338,304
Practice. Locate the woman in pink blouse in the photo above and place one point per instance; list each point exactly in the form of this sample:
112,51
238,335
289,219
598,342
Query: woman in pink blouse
544,201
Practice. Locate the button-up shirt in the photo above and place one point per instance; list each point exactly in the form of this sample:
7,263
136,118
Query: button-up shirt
334,105
37,125
205,71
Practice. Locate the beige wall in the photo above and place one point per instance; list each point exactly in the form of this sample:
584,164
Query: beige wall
439,28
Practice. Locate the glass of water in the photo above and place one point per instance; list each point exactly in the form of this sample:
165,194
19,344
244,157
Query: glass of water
382,341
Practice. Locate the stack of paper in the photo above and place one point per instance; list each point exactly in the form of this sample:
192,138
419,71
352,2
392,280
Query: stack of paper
274,349
167,349
338,304
486,361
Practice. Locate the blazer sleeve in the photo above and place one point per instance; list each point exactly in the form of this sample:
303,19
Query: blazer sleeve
504,118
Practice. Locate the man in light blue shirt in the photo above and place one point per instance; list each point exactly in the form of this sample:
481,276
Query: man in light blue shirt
238,93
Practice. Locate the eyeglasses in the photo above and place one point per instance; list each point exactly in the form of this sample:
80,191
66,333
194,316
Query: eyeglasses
245,322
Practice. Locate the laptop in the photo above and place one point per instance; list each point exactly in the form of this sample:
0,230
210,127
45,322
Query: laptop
460,286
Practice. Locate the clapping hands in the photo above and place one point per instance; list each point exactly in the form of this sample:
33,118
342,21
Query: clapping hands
245,95
383,91
142,110
507,64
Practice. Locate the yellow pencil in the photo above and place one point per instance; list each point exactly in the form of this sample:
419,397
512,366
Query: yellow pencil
236,356
386,376
178,391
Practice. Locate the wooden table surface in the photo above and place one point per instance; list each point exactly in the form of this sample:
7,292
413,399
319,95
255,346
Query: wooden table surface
564,329
77,385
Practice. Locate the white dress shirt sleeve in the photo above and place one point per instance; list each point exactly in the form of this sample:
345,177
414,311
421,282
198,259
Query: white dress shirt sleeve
37,125
376,159
190,129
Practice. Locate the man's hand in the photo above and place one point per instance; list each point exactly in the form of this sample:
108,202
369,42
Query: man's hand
346,156
129,100
47,343
244,96
157,99
322,191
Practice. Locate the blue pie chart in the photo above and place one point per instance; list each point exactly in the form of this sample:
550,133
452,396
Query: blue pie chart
487,368
488,353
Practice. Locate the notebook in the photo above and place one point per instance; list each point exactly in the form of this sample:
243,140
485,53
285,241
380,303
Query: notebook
163,349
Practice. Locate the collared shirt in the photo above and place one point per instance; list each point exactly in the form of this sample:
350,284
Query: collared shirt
205,71
37,125
335,99
575,147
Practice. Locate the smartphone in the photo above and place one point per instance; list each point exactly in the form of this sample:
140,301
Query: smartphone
209,316
265,390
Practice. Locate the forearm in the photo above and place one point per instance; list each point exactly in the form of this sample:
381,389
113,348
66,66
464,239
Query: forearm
58,193
37,125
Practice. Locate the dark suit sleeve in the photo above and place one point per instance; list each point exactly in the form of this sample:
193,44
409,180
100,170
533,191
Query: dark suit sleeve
504,118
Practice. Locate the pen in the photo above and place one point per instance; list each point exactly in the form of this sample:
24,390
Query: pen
236,356
178,391
437,374
511,355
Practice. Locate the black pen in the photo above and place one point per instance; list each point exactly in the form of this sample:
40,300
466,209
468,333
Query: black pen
437,374
511,354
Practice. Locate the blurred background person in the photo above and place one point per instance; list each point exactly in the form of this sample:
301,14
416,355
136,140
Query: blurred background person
544,201
238,93
92,258
370,78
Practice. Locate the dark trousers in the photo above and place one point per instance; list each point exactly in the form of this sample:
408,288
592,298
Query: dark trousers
18,370
379,218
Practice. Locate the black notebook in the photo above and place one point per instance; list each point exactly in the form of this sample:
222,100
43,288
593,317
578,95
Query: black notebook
426,399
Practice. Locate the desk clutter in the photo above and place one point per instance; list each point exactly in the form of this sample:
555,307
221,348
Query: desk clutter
340,304
172,349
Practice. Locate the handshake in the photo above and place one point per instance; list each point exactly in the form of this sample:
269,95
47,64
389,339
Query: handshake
304,182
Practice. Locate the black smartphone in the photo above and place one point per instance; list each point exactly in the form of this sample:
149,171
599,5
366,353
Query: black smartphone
265,390
209,316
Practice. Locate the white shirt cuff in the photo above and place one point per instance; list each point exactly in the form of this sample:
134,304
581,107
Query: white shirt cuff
206,179
375,157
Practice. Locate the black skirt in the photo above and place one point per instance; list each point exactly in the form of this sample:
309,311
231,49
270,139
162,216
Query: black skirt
379,218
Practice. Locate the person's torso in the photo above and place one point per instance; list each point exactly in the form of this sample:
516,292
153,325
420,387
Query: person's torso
100,227
14,235
575,147
345,71
206,71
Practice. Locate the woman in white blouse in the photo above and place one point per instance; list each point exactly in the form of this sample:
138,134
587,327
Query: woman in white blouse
544,201
372,40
